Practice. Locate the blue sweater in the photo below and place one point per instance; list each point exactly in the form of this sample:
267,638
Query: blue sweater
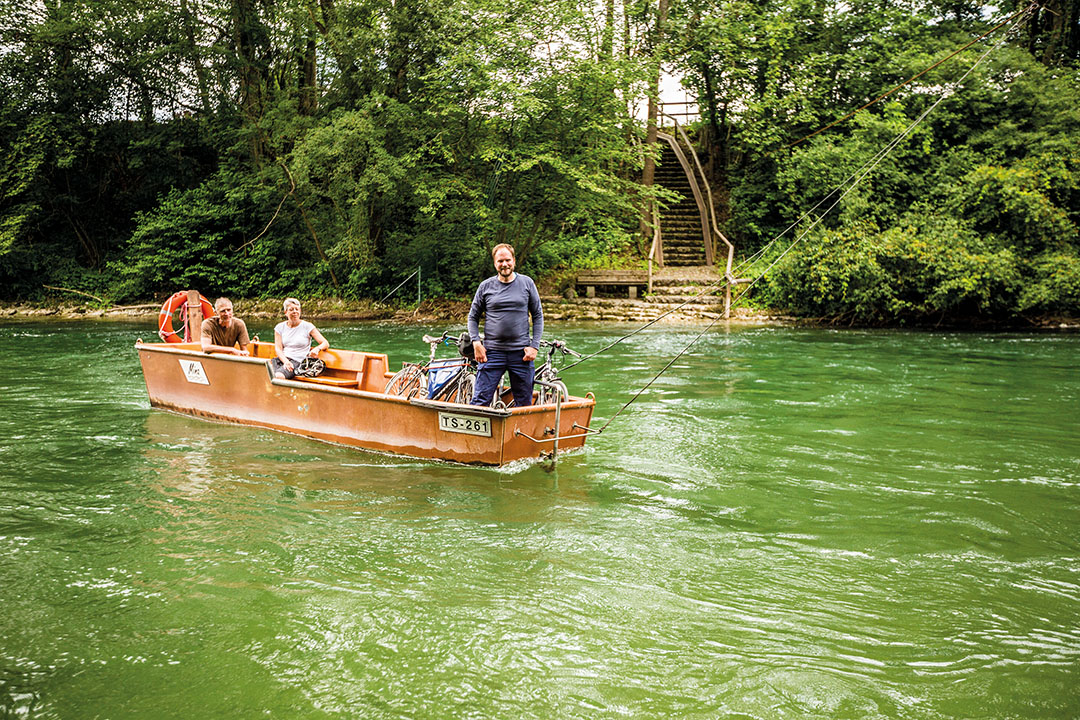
506,309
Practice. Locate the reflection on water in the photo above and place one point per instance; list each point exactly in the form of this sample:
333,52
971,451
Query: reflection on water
790,523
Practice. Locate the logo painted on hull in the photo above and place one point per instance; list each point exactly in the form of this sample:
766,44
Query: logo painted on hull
193,371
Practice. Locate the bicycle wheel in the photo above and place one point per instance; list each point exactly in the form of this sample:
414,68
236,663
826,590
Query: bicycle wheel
405,381
463,393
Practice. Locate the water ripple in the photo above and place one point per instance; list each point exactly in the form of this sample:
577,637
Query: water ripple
794,523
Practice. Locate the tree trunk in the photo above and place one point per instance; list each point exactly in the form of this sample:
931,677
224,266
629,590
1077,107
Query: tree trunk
607,42
648,174
309,99
248,37
1073,43
194,55
399,56
1057,30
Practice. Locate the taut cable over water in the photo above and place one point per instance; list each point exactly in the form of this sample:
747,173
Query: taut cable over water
1013,23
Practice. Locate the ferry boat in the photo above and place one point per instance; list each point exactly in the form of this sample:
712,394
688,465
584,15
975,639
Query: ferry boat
348,404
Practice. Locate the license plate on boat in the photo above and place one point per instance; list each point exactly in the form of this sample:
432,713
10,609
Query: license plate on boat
468,424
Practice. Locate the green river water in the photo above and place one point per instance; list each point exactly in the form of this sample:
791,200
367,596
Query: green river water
791,523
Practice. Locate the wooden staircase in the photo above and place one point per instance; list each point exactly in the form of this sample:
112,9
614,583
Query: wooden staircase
680,224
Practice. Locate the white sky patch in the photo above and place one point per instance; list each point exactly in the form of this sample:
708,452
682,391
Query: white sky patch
677,100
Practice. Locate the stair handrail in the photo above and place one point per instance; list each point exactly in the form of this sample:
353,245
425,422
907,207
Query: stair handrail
714,227
655,242
712,216
699,200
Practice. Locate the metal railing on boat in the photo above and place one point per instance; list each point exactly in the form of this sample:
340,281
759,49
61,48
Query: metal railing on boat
558,424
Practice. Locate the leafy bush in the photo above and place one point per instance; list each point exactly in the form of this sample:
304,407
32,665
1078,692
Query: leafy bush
195,239
834,274
1024,205
928,268
1055,284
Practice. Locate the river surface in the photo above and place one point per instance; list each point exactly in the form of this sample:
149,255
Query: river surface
790,523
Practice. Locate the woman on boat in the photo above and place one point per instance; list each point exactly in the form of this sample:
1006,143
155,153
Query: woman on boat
292,341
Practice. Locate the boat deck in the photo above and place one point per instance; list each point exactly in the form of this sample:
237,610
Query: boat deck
347,404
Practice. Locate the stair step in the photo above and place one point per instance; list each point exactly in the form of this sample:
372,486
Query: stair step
680,222
661,281
706,299
684,291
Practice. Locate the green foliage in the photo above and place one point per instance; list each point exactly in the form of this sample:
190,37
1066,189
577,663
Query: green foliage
1054,286
196,239
1026,205
333,148
836,274
856,166
908,273
21,159
180,244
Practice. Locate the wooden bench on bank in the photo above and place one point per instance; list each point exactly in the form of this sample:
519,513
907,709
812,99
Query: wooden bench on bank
630,279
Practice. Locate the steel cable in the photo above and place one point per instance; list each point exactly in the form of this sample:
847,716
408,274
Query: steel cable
854,179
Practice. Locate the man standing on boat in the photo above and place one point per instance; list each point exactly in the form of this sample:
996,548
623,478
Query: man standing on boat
223,331
506,302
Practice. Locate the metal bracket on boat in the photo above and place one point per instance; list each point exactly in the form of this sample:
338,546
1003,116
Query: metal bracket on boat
555,430
551,439
458,408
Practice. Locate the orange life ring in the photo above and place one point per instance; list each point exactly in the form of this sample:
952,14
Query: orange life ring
178,301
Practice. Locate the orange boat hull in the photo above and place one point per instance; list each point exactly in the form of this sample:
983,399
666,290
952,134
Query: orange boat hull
182,378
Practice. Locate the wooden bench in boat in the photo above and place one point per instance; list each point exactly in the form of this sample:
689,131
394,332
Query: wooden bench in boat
344,368
630,279
328,380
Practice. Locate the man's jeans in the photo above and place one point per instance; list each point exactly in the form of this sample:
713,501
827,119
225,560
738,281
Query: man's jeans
488,375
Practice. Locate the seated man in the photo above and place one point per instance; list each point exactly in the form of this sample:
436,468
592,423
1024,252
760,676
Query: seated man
221,332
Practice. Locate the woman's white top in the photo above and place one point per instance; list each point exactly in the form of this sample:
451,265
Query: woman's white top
296,341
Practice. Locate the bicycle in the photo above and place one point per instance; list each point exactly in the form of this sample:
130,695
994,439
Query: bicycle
549,386
546,379
447,379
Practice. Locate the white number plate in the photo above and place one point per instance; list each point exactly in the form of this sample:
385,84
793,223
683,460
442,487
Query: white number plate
468,424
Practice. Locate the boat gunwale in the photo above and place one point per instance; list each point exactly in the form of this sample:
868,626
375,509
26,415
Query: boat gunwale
171,349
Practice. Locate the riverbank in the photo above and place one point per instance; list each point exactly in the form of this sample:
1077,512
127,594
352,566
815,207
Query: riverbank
456,311
429,311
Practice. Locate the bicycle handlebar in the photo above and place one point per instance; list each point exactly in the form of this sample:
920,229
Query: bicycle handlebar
559,345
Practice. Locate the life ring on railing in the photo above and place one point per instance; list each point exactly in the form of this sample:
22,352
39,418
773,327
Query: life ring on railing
178,301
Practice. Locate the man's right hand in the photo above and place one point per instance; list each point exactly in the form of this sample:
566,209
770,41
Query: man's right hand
479,351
